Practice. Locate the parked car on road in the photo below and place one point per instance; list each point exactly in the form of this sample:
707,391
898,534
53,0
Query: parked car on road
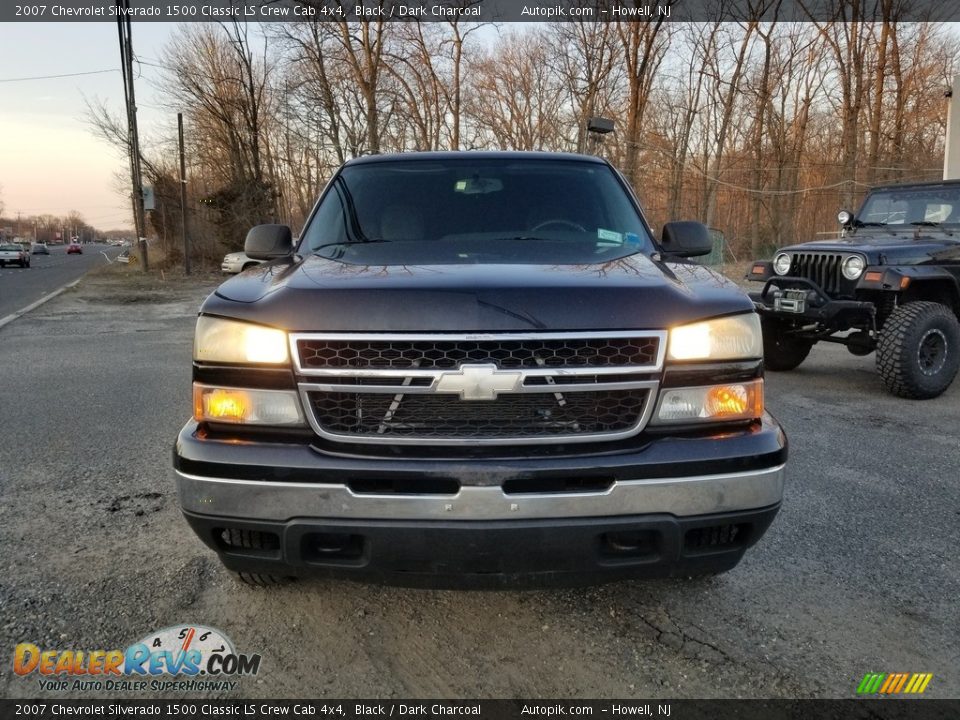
238,262
39,248
890,285
479,368
14,254
74,248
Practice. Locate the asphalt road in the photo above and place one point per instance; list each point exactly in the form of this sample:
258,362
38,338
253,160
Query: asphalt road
21,286
858,574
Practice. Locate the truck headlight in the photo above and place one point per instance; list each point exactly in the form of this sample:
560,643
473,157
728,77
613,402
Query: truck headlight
853,267
246,406
710,403
781,264
231,341
737,337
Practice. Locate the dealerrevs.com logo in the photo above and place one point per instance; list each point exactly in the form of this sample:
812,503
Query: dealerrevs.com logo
179,658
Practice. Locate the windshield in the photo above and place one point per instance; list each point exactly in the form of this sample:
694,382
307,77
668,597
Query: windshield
11,247
476,211
933,205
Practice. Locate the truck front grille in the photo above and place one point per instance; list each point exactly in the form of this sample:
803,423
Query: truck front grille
450,354
518,416
821,268
510,388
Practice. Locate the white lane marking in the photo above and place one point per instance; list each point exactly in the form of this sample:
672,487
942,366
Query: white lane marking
49,296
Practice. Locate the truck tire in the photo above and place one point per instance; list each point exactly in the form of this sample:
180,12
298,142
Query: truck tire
782,352
253,540
919,350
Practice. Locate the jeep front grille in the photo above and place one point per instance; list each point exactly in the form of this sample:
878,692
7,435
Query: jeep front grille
446,389
821,268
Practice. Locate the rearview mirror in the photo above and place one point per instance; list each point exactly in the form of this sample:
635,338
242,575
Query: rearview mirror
686,238
268,242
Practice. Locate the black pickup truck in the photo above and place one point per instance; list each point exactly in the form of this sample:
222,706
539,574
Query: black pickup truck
890,284
478,368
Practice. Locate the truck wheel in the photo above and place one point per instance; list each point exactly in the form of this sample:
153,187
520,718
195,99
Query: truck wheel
782,352
253,540
919,350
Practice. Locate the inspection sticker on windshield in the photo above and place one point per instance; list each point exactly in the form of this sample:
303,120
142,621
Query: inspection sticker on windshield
609,236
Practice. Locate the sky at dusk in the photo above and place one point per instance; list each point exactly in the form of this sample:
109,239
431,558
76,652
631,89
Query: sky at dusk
50,161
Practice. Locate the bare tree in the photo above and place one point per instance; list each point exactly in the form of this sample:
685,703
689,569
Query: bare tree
517,101
644,45
590,63
213,73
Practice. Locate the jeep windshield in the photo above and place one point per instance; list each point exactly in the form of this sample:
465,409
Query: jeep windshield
920,206
463,210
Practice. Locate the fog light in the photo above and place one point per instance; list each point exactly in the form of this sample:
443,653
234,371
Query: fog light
245,406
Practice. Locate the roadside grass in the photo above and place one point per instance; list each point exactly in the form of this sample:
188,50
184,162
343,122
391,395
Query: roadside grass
116,282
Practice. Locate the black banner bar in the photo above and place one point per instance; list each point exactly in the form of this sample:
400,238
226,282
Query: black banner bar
471,10
190,709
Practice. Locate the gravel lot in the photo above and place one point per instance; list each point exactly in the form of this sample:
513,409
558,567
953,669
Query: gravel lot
858,574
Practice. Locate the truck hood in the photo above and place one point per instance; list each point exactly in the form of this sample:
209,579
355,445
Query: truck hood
886,247
320,294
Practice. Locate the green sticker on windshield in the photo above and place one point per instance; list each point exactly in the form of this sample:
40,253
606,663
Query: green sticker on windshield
609,236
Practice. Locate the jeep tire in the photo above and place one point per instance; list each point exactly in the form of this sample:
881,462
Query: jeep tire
781,352
919,350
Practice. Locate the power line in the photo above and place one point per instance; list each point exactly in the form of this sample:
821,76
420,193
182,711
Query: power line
54,77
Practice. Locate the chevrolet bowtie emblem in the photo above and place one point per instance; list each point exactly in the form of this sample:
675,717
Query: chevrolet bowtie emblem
478,382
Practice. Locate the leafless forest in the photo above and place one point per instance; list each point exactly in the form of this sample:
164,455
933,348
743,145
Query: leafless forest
760,129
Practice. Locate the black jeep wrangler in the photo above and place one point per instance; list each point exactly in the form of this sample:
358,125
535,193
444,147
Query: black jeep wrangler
890,284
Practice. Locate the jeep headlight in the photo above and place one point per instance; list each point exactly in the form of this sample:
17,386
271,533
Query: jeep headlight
737,337
853,267
781,264
230,341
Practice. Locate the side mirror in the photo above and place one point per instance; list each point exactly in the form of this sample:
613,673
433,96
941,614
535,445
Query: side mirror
268,242
686,238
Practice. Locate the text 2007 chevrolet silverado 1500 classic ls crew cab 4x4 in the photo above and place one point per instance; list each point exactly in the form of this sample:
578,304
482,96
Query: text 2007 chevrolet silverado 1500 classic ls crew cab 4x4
479,368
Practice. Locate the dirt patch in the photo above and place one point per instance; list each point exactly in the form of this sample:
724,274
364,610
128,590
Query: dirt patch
118,284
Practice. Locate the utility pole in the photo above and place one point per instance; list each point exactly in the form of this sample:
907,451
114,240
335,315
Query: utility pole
183,198
951,150
133,138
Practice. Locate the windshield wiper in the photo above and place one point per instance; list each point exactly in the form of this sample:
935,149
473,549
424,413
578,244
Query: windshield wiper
365,241
860,223
529,237
925,223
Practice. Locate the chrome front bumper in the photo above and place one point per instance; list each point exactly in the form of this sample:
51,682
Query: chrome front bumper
283,501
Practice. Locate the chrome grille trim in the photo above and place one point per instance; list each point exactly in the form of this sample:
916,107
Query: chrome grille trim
311,380
431,389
